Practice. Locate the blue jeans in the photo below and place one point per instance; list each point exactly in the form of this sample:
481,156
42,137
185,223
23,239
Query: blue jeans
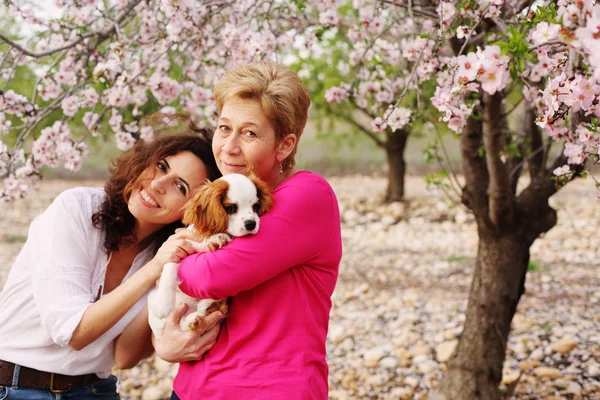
104,389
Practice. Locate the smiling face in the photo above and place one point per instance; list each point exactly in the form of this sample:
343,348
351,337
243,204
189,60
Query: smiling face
245,141
158,197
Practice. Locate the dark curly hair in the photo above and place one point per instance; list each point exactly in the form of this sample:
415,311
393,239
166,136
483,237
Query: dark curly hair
114,217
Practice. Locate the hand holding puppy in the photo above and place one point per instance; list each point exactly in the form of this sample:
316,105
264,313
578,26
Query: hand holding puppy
177,345
174,249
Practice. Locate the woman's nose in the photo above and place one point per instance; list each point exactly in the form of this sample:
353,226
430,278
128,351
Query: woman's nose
157,184
231,145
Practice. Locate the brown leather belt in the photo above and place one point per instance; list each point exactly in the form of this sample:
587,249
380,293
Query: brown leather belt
30,378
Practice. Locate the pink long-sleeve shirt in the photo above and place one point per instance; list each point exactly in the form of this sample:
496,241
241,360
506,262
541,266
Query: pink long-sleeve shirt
272,344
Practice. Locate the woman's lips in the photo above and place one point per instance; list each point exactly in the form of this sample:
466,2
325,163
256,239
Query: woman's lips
148,200
234,166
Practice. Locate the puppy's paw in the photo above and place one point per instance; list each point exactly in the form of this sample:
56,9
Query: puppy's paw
217,241
194,322
161,306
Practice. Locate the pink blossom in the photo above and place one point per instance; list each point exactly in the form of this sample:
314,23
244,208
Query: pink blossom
397,117
468,66
544,32
70,105
336,95
329,18
90,121
89,97
4,127
446,12
378,125
147,133
560,171
574,152
124,140
463,32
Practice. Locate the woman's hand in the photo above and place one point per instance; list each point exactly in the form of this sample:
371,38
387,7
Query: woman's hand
174,249
176,345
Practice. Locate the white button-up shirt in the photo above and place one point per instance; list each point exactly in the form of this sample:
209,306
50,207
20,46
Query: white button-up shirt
55,278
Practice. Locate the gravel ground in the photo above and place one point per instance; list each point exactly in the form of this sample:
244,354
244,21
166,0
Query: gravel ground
402,291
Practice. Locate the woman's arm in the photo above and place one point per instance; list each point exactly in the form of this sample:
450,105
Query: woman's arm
297,230
135,343
110,308
66,252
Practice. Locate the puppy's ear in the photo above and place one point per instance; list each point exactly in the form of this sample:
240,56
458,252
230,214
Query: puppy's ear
264,194
205,209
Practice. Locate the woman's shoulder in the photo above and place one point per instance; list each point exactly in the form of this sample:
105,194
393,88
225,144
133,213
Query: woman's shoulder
306,189
306,180
80,198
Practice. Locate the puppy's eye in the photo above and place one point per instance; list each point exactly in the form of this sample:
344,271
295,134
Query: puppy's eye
256,207
231,209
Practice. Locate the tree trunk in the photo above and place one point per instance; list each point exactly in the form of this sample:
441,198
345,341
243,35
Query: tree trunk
394,148
475,370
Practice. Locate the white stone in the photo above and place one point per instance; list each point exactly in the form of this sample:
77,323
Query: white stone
537,354
337,332
152,393
593,370
510,376
444,350
565,345
388,362
547,372
161,365
372,357
574,388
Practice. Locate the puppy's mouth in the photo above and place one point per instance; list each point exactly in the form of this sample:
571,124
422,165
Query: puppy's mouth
147,198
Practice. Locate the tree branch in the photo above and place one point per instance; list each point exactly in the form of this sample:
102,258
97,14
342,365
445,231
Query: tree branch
102,33
474,168
366,131
499,190
430,12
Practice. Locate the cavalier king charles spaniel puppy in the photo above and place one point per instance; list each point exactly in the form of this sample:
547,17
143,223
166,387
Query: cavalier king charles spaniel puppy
228,207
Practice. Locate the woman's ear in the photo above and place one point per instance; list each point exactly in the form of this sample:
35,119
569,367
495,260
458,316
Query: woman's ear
205,209
286,146
264,194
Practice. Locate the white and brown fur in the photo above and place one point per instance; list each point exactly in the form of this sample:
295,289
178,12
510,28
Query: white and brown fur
228,207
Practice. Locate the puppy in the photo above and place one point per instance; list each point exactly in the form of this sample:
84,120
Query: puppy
228,207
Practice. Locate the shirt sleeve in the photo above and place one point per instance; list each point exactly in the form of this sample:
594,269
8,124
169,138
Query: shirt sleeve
61,276
293,233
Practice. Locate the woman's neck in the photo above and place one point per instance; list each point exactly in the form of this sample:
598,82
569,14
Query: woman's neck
144,233
280,178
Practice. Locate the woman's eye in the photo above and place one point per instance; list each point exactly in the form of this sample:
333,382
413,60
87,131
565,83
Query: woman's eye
181,188
250,134
161,166
224,128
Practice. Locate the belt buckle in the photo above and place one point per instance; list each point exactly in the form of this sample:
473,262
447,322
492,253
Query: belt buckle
57,390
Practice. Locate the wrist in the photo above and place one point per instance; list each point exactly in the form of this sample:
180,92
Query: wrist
152,270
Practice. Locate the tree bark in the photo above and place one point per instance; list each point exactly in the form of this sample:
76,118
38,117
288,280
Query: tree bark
394,149
475,370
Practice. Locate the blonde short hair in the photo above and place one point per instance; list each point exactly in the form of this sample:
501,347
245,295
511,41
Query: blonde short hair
280,92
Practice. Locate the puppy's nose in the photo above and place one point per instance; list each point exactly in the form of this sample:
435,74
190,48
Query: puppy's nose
249,225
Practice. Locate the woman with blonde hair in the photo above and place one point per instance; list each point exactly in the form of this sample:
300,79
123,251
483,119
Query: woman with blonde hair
272,344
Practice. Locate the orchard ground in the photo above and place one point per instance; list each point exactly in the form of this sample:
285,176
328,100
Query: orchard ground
402,291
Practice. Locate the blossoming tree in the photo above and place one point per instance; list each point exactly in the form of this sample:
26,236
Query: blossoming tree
332,71
514,79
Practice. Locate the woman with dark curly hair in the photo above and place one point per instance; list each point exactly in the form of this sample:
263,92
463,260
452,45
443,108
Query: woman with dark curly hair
73,306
